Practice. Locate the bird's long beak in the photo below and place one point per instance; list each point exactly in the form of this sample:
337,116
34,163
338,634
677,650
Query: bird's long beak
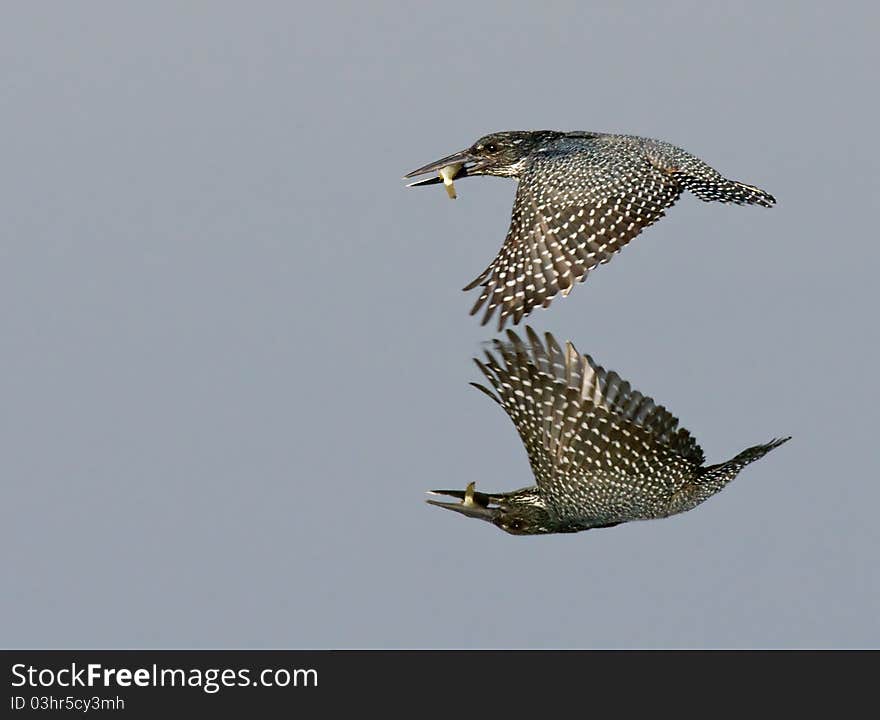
473,504
470,164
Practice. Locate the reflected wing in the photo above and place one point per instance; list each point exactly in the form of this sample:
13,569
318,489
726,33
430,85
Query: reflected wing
576,419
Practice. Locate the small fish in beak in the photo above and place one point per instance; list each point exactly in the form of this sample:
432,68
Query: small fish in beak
448,174
447,169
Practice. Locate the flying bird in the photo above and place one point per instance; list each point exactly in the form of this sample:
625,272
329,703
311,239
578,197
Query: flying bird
581,197
602,453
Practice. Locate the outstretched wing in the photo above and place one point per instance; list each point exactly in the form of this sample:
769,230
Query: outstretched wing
574,209
576,419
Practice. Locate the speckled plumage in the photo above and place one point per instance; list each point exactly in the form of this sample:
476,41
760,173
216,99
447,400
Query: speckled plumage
602,453
582,196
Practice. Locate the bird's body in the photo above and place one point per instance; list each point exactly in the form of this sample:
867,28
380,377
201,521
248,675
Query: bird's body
581,197
601,452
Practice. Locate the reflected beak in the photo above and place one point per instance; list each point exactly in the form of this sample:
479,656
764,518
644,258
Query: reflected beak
470,165
472,504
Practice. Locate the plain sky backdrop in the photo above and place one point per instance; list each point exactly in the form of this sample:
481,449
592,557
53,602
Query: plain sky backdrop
235,352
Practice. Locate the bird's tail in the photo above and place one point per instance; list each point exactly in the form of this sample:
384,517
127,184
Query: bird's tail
757,452
724,472
720,189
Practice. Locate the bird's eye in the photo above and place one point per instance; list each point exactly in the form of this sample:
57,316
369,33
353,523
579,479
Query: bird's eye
516,525
490,147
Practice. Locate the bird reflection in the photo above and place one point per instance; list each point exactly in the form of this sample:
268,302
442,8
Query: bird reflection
601,452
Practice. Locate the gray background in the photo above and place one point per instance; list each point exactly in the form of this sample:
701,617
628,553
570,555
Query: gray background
235,350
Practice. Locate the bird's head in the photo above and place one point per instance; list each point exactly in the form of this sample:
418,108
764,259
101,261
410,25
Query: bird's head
501,153
519,513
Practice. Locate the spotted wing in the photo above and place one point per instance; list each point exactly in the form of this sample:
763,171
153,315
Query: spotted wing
573,210
577,419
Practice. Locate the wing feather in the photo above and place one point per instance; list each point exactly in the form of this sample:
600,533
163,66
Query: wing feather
573,416
572,212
